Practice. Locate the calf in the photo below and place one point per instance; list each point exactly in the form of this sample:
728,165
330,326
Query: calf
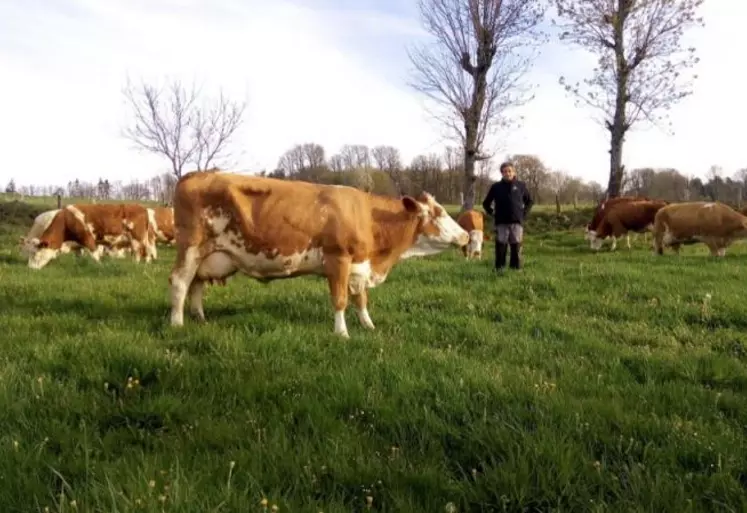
272,229
713,223
472,222
93,227
626,217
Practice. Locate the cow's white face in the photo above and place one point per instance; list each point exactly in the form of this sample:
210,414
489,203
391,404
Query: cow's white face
41,255
589,235
437,230
595,242
26,247
474,248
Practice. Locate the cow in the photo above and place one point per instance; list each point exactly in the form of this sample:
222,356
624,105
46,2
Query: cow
472,222
94,227
625,217
272,229
41,222
711,222
591,228
162,221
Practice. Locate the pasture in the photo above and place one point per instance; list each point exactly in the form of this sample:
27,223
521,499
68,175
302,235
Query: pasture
587,382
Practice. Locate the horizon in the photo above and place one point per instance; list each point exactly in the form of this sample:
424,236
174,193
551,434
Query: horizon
312,71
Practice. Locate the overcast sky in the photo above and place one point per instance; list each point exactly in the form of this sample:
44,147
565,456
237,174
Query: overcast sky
325,71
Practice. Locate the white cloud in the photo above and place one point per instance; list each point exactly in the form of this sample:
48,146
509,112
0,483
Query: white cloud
306,77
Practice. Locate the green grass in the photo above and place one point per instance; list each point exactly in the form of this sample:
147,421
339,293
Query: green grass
588,382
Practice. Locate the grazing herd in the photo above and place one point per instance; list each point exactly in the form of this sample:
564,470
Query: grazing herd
269,229
111,229
673,225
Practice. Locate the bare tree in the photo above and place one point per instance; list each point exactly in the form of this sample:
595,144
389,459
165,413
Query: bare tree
172,122
532,170
640,68
473,69
389,160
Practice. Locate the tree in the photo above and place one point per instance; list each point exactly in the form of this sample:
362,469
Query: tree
639,75
11,187
171,122
473,69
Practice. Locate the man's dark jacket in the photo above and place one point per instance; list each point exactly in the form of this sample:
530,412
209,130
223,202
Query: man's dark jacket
512,202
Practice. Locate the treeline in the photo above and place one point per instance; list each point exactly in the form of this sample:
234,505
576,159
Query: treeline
381,170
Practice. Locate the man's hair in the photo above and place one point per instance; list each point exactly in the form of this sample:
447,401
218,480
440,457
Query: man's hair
505,165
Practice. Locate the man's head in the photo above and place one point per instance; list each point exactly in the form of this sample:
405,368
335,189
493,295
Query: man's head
507,171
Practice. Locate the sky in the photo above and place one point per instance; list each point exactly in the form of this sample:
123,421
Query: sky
332,72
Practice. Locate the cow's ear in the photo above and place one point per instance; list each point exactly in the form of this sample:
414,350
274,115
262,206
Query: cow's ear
411,205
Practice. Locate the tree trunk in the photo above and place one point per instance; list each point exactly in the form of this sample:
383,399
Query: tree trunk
619,126
616,169
468,197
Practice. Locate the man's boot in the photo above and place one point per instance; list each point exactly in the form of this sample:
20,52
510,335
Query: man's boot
515,262
500,255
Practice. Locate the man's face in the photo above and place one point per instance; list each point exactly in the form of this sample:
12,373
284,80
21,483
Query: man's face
508,173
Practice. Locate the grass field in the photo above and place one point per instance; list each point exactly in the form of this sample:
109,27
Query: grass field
588,382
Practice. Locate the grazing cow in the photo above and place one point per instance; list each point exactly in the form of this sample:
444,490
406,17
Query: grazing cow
41,222
472,222
162,221
625,217
93,227
713,223
604,205
272,229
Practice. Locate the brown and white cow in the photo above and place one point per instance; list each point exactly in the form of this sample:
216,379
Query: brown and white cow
624,217
272,229
713,223
94,227
162,221
40,224
472,222
602,207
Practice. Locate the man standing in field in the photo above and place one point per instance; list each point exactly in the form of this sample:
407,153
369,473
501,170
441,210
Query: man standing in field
512,204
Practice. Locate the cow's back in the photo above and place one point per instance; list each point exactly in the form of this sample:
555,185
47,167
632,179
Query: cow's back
605,205
700,218
269,215
471,220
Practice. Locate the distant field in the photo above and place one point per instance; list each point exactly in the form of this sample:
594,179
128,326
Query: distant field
588,382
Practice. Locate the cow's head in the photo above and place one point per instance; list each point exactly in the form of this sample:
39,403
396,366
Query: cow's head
40,254
474,248
595,242
436,230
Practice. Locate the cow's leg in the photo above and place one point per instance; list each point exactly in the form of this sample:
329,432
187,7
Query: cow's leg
613,246
337,270
185,268
137,251
194,292
627,238
359,276
360,301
